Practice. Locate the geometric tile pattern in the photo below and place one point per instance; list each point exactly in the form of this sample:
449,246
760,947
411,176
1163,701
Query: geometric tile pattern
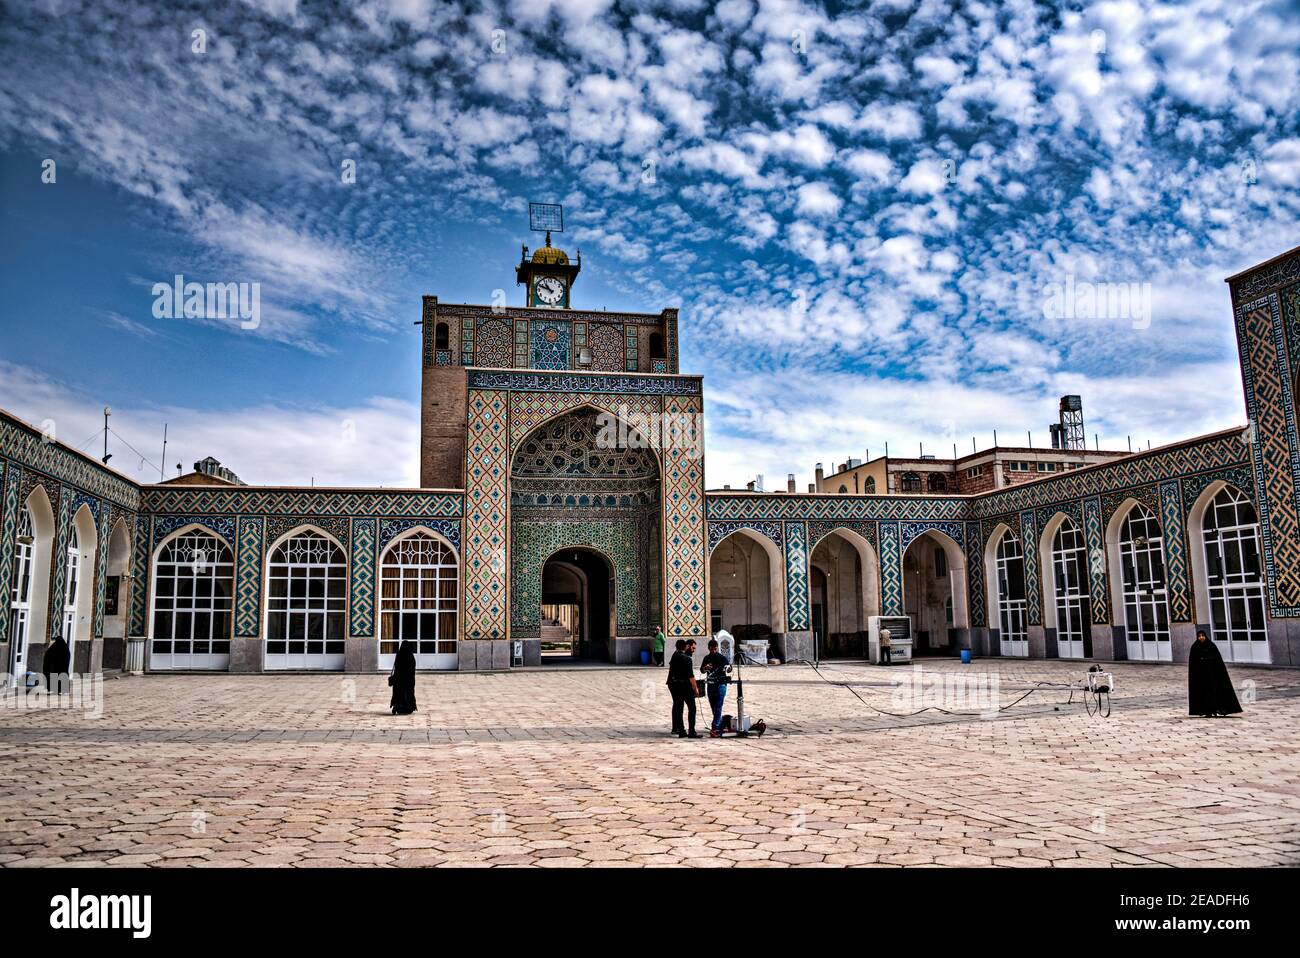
722,505
1098,573
529,410
277,527
223,526
10,478
495,347
1241,479
891,570
1177,572
798,611
1029,542
521,343
484,566
362,605
819,529
547,382
1267,376
533,542
301,502
21,443
720,530
685,537
975,576
390,529
64,519
248,576
103,531
606,348
141,537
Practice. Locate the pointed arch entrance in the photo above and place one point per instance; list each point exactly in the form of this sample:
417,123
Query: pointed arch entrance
585,535
934,592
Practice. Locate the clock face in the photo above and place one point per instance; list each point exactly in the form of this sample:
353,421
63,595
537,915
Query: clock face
550,291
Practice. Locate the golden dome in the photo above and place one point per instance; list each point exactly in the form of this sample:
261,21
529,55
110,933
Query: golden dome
550,256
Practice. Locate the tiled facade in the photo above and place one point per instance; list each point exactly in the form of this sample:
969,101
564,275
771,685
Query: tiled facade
658,537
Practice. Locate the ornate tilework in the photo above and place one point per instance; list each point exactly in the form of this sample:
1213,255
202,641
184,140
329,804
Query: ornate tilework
1045,515
467,341
532,542
530,381
1095,537
975,601
522,358
528,410
633,362
442,357
819,529
659,366
163,526
1029,543
1148,496
495,345
1177,571
484,556
141,537
21,443
1268,378
337,526
606,343
798,610
9,504
246,500
248,576
891,570
102,533
725,505
64,520
911,531
390,529
720,530
1239,478
685,537
361,608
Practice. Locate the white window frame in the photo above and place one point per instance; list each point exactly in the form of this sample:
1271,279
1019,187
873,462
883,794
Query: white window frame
1238,598
1013,614
1144,586
1073,599
194,562
427,573
20,595
306,562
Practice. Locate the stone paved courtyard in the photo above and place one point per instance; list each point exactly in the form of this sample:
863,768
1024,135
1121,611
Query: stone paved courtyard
571,768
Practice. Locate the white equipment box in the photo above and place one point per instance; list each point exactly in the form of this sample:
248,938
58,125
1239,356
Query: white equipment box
900,637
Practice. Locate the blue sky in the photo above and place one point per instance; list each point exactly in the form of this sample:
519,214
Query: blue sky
860,209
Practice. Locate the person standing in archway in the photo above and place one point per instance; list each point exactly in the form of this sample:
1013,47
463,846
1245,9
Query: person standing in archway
659,645
1209,687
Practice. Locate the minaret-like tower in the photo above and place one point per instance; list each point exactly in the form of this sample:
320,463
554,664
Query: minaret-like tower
548,276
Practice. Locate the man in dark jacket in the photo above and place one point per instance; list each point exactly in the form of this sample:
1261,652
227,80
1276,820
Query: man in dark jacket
682,685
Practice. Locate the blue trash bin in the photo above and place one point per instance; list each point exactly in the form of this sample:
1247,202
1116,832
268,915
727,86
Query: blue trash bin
965,656
645,657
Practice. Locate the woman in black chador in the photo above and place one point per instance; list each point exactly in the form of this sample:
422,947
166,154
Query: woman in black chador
403,679
55,666
1209,689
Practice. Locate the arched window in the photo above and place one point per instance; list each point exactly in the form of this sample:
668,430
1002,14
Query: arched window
306,604
843,488
869,485
1073,601
657,346
193,589
1010,578
71,587
910,482
20,597
419,601
1146,604
938,482
441,336
1235,577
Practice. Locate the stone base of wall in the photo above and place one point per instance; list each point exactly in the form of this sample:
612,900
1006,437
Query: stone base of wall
1181,637
1284,641
246,654
88,656
361,655
483,655
114,653
1037,637
532,652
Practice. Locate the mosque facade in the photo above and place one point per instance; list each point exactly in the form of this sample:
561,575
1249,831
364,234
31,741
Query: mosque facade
562,505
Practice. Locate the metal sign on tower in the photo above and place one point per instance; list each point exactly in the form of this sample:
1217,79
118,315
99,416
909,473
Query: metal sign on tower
546,218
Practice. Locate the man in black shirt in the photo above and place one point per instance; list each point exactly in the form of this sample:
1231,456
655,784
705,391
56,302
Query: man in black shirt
681,683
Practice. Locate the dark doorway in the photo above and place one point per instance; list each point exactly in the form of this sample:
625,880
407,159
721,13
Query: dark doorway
577,596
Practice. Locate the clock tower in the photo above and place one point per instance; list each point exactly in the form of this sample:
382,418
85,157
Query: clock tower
547,276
